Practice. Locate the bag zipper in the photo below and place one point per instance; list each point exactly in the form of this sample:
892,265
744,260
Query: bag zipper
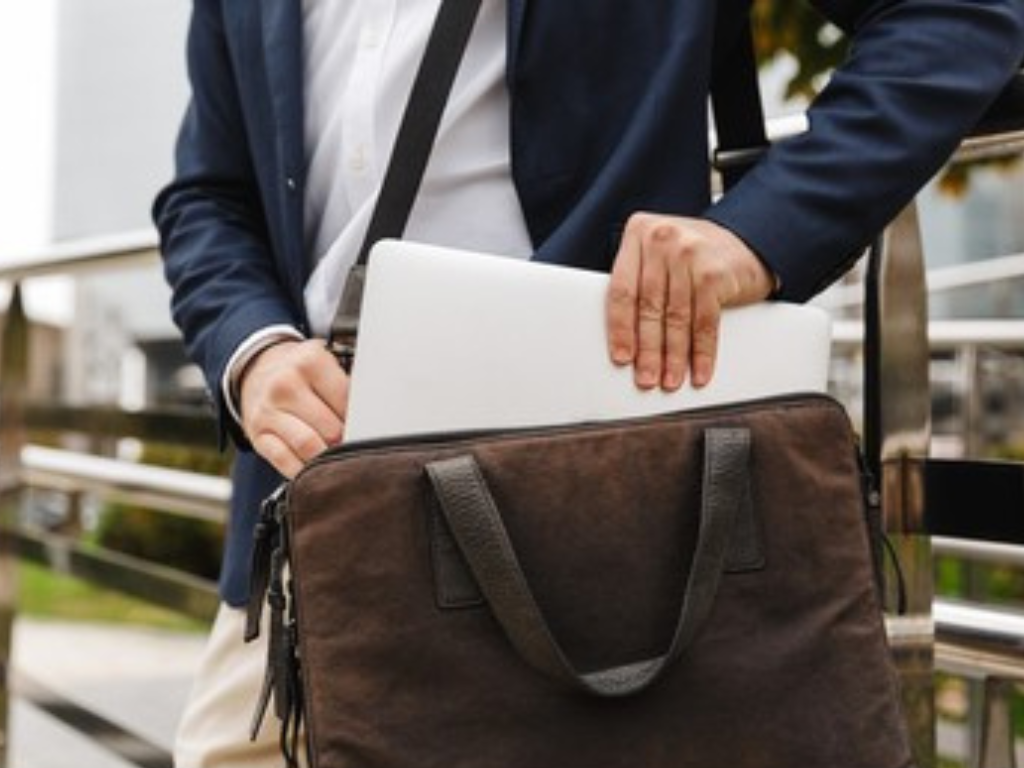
283,677
428,439
881,545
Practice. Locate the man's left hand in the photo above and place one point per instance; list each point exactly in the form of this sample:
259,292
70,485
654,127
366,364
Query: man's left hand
671,279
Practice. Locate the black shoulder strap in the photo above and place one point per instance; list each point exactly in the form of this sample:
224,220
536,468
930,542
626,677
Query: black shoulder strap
413,144
736,100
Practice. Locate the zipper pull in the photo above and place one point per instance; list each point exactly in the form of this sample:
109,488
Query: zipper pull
282,678
266,539
881,545
293,709
278,652
260,713
275,676
873,519
869,485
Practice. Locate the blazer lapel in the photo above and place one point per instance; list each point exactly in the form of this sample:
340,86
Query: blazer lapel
516,15
281,22
282,50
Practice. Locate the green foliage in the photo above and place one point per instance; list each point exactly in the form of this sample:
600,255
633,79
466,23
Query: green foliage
1007,452
184,543
989,583
189,458
179,542
45,594
949,577
794,27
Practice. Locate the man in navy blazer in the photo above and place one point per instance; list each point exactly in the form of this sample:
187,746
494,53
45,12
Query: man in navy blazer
608,158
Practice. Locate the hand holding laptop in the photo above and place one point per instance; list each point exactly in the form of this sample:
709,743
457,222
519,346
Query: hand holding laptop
293,401
671,279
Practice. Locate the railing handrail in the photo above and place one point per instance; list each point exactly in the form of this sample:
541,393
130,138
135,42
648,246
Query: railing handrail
939,280
979,640
188,493
991,552
82,255
945,335
182,426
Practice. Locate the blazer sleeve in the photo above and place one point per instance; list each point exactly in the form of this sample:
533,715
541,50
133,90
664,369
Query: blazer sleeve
215,243
919,76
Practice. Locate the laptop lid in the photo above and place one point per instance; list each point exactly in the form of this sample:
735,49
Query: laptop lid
452,340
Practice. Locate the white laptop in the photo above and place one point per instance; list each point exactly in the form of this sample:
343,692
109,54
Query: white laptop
451,340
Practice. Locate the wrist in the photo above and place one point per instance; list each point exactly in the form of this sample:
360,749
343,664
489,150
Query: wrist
243,357
246,366
758,280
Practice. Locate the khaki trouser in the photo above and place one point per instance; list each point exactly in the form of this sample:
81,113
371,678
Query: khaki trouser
214,731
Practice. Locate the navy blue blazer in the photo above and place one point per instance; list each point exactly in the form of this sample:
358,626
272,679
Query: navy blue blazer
608,117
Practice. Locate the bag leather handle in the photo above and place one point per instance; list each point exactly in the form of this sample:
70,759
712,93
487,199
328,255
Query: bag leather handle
476,524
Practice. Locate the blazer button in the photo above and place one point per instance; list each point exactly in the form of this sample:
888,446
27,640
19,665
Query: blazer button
291,184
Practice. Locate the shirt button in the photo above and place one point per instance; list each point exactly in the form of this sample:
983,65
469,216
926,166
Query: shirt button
357,161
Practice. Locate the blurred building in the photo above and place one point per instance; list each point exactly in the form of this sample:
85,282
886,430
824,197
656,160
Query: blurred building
111,96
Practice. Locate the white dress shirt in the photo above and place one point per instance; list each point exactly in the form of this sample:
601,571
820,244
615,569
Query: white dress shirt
360,58
360,62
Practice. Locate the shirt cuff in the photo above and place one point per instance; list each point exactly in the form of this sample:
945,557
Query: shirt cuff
244,354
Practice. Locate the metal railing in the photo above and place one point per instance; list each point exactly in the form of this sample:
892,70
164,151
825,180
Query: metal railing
897,435
77,474
973,640
967,638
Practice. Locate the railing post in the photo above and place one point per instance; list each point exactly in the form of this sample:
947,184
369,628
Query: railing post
897,432
13,378
994,740
973,407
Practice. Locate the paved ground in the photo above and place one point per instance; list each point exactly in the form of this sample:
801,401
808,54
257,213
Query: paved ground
138,679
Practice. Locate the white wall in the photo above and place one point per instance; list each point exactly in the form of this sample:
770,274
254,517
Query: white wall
121,91
27,107
91,94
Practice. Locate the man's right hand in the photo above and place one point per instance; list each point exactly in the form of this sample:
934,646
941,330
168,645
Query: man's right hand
293,397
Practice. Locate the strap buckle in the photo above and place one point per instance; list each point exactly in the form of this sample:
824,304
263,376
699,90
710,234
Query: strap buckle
344,352
345,327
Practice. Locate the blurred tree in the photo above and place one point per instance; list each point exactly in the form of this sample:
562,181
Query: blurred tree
793,27
180,542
